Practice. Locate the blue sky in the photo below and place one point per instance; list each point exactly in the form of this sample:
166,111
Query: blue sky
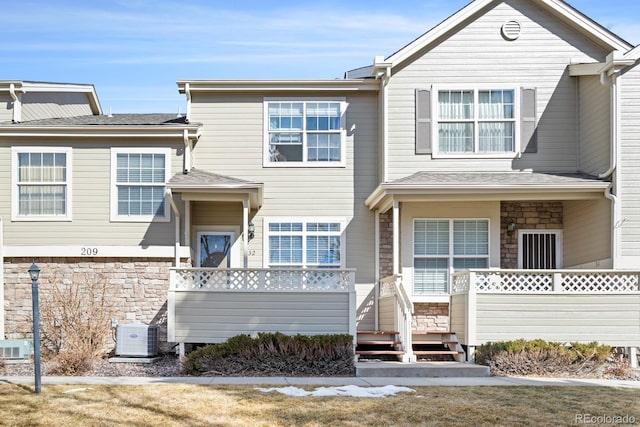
133,51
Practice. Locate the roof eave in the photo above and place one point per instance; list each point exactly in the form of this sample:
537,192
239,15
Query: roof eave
383,196
277,85
20,131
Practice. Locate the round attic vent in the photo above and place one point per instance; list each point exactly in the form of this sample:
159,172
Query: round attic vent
511,30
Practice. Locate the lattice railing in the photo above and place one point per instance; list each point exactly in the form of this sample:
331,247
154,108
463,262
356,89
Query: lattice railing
546,281
254,280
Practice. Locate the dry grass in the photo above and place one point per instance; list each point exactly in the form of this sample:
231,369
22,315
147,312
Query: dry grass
194,405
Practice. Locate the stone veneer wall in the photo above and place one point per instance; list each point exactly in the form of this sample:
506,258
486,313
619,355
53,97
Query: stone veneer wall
386,244
139,287
432,317
526,216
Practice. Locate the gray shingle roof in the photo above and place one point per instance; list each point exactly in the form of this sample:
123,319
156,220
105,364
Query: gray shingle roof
475,179
112,120
201,178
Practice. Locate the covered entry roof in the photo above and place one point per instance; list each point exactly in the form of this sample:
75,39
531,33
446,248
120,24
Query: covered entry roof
470,186
208,186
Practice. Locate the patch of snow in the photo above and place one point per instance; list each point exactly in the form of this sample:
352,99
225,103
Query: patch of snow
348,390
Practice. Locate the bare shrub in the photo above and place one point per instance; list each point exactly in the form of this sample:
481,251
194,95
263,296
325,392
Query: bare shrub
69,363
76,315
539,357
274,354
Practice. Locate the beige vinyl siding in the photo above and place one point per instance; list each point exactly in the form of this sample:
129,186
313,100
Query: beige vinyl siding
608,319
216,213
477,54
457,316
587,233
38,105
388,314
90,195
629,166
6,108
232,144
213,317
594,125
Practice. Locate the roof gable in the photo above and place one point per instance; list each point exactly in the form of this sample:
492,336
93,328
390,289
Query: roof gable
558,8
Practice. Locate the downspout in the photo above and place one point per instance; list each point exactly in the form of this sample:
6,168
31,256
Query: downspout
176,212
187,92
17,104
186,166
609,77
382,71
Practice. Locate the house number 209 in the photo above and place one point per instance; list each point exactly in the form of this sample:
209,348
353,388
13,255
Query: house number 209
88,251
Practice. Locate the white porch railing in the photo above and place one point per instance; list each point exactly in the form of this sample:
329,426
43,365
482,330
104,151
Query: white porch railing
208,305
262,279
546,281
392,287
555,305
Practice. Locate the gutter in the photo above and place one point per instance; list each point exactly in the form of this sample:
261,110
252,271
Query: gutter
616,62
17,104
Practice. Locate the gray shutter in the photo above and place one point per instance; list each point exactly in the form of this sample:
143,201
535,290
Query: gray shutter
423,121
528,125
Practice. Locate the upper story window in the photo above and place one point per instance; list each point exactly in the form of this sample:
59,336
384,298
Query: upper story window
138,184
304,243
304,132
42,184
476,121
480,122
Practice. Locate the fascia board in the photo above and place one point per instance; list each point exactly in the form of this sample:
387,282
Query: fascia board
96,131
278,85
633,54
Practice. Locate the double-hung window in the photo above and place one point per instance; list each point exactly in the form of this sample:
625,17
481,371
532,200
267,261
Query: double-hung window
139,178
304,244
304,132
442,246
42,183
479,121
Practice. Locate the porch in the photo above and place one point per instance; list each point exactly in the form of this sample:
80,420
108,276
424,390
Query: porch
210,305
555,305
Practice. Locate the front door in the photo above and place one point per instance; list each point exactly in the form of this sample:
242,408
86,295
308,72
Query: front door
214,249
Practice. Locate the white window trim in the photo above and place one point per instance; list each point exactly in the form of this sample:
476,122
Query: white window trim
114,217
451,256
559,244
435,137
15,208
304,220
266,162
234,251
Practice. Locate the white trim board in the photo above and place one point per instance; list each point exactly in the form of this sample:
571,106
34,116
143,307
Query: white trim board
94,251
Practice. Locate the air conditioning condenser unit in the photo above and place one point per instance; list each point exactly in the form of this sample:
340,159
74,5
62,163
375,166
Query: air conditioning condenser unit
136,340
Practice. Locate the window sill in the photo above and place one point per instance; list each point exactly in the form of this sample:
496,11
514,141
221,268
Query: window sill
476,156
139,219
305,165
40,219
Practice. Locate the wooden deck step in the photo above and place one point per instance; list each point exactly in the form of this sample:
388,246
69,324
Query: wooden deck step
379,352
436,352
380,342
432,333
378,333
434,342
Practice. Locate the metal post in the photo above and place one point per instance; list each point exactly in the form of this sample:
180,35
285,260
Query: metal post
34,272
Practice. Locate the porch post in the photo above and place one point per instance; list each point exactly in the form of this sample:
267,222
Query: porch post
471,318
376,263
396,237
245,232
